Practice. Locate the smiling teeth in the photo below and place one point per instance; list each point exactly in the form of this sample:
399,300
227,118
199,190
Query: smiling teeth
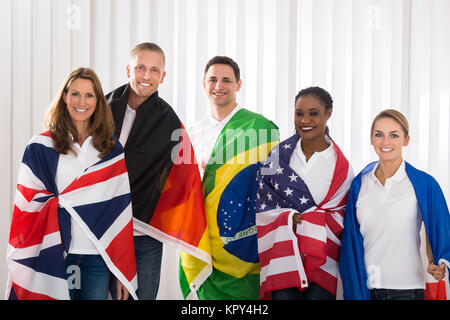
307,128
385,150
81,110
145,84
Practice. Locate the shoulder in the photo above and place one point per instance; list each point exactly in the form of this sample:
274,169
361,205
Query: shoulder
165,106
44,138
168,112
420,178
259,119
356,183
116,94
199,127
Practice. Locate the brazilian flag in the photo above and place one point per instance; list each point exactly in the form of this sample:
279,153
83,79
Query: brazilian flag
230,190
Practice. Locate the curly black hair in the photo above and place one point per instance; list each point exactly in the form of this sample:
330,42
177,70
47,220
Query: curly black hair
318,92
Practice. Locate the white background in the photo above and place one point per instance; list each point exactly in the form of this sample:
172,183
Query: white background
369,54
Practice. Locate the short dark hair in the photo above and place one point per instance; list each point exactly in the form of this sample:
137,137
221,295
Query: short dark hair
319,93
150,46
224,60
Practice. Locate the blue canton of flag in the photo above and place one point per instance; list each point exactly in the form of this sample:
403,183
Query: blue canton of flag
283,188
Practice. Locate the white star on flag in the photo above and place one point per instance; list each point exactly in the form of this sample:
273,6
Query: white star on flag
269,196
303,200
263,206
288,192
293,177
287,146
280,170
276,186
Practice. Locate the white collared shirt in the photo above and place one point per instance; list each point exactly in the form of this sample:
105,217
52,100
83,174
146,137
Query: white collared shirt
204,135
390,222
127,124
69,168
317,172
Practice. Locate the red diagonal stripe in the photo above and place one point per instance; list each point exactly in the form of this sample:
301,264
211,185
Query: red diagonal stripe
98,176
29,193
24,294
29,228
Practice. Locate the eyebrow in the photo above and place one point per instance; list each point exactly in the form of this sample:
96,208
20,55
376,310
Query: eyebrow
309,108
77,91
223,78
376,130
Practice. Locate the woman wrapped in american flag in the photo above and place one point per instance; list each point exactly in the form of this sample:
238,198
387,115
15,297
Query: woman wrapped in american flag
303,189
72,221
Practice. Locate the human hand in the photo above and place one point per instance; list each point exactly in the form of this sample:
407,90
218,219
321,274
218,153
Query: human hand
122,292
296,218
437,271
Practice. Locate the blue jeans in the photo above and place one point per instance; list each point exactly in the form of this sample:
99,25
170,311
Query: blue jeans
88,277
393,294
148,262
313,292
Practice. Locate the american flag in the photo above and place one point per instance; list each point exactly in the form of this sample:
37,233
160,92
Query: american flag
99,202
291,259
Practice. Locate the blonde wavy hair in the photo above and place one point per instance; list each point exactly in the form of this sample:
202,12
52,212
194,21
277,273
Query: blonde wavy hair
61,126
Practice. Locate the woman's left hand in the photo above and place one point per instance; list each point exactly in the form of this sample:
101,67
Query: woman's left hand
437,271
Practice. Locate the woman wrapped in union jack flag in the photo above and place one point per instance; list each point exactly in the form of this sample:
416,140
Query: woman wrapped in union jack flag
381,257
72,222
303,189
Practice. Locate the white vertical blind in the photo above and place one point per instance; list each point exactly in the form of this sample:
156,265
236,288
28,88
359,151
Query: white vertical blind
369,54
6,124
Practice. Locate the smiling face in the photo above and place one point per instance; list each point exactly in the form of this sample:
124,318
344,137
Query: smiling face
388,139
146,72
81,101
221,86
311,118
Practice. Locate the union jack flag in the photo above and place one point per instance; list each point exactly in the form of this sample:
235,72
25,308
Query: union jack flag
311,253
99,202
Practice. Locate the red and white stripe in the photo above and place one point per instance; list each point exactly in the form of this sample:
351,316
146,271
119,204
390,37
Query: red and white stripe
100,183
289,259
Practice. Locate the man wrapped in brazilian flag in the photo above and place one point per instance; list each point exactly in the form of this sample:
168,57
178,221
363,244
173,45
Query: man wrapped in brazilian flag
230,145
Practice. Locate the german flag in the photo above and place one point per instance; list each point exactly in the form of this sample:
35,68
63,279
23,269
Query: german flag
179,217
166,190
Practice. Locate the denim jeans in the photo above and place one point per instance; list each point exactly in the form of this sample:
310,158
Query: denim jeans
88,277
148,262
313,292
393,294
